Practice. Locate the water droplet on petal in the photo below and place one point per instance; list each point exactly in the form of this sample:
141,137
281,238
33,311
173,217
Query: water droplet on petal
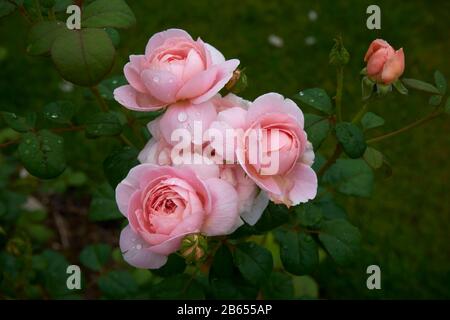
182,116
139,246
156,79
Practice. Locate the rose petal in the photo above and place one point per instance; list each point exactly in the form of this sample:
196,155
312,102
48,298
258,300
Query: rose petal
394,67
136,251
198,84
194,64
161,84
216,56
274,103
134,100
192,120
159,38
305,184
259,205
224,211
374,46
223,75
132,74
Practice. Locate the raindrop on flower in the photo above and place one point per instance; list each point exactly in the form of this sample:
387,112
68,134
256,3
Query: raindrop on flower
156,79
138,246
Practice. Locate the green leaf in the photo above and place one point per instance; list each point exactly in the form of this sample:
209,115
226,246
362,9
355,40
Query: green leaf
54,274
179,287
226,281
350,177
316,98
298,251
39,233
6,8
107,86
108,13
309,214
274,216
19,123
83,57
400,87
447,106
114,36
278,287
305,287
373,157
331,210
42,154
117,165
317,128
95,256
60,111
175,265
367,86
103,205
42,36
118,285
441,82
435,100
254,262
351,139
340,239
370,120
103,124
61,5
420,85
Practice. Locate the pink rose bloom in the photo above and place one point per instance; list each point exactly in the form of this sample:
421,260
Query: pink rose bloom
384,64
174,67
273,149
163,204
251,200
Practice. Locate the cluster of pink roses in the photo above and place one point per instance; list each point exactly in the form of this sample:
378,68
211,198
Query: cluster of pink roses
165,198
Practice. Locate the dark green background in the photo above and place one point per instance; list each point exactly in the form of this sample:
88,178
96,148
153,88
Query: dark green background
406,224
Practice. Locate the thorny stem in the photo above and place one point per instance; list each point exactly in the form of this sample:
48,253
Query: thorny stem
412,125
99,99
337,152
104,106
339,84
360,113
37,4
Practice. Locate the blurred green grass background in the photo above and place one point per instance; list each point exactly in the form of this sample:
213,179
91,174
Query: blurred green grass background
406,224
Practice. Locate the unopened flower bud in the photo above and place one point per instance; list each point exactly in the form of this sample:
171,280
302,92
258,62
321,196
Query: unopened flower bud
383,89
238,82
339,56
194,247
16,246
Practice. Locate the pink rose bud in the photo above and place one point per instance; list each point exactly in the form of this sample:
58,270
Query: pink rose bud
384,64
194,247
174,67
